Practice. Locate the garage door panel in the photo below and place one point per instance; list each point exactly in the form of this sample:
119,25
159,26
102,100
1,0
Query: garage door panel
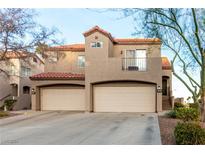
124,99
63,99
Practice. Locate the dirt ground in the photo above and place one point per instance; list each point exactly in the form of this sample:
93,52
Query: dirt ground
167,126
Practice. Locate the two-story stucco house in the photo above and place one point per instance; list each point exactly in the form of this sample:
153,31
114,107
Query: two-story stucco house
14,81
104,74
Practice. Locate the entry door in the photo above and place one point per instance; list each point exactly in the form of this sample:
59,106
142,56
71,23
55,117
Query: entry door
164,87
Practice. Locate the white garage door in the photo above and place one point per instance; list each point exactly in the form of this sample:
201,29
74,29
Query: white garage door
63,99
124,99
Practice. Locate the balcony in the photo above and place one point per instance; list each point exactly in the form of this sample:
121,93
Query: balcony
120,68
134,64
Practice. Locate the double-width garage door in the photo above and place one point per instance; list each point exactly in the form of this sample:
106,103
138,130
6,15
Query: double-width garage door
124,99
62,98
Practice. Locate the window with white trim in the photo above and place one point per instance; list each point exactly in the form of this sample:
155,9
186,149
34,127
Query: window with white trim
81,61
97,44
12,70
52,56
135,60
25,72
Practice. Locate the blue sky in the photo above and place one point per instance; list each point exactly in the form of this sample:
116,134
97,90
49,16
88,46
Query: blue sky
73,22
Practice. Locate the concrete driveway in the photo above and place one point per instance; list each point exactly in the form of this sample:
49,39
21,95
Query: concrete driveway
80,128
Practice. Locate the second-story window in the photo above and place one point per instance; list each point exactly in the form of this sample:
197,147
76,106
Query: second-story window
81,61
12,70
53,57
25,71
96,44
135,60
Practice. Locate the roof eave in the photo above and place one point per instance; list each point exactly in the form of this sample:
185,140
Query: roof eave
65,49
137,43
88,33
166,68
37,79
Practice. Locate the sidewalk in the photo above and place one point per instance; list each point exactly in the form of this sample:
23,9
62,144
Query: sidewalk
23,115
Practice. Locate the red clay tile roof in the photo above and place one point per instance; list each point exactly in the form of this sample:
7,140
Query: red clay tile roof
166,64
123,41
19,54
81,47
130,41
70,47
13,54
98,29
116,41
57,76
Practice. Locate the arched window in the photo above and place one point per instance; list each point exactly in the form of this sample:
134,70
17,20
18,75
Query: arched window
26,90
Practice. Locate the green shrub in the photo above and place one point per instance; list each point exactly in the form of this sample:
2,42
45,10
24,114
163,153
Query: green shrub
194,105
178,105
189,134
172,114
9,104
187,114
3,114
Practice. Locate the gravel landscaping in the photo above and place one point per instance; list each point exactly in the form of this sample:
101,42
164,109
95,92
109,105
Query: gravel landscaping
167,126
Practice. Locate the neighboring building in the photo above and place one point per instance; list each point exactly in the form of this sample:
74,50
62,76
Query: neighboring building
14,81
104,75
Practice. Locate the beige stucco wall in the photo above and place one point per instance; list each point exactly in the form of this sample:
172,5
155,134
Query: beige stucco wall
168,73
103,65
6,79
152,50
23,100
100,67
5,89
67,62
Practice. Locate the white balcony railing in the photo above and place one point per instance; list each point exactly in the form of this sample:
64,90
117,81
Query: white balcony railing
134,64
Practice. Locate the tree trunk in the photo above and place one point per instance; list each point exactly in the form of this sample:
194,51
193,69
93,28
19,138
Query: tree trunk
202,106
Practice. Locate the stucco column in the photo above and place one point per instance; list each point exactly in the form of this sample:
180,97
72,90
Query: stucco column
88,97
159,102
159,96
33,102
35,99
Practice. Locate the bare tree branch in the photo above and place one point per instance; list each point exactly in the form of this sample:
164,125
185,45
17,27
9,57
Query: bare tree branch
197,31
182,31
20,33
181,34
184,66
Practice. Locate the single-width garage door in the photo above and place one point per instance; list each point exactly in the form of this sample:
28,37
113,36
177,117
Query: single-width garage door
63,99
124,99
